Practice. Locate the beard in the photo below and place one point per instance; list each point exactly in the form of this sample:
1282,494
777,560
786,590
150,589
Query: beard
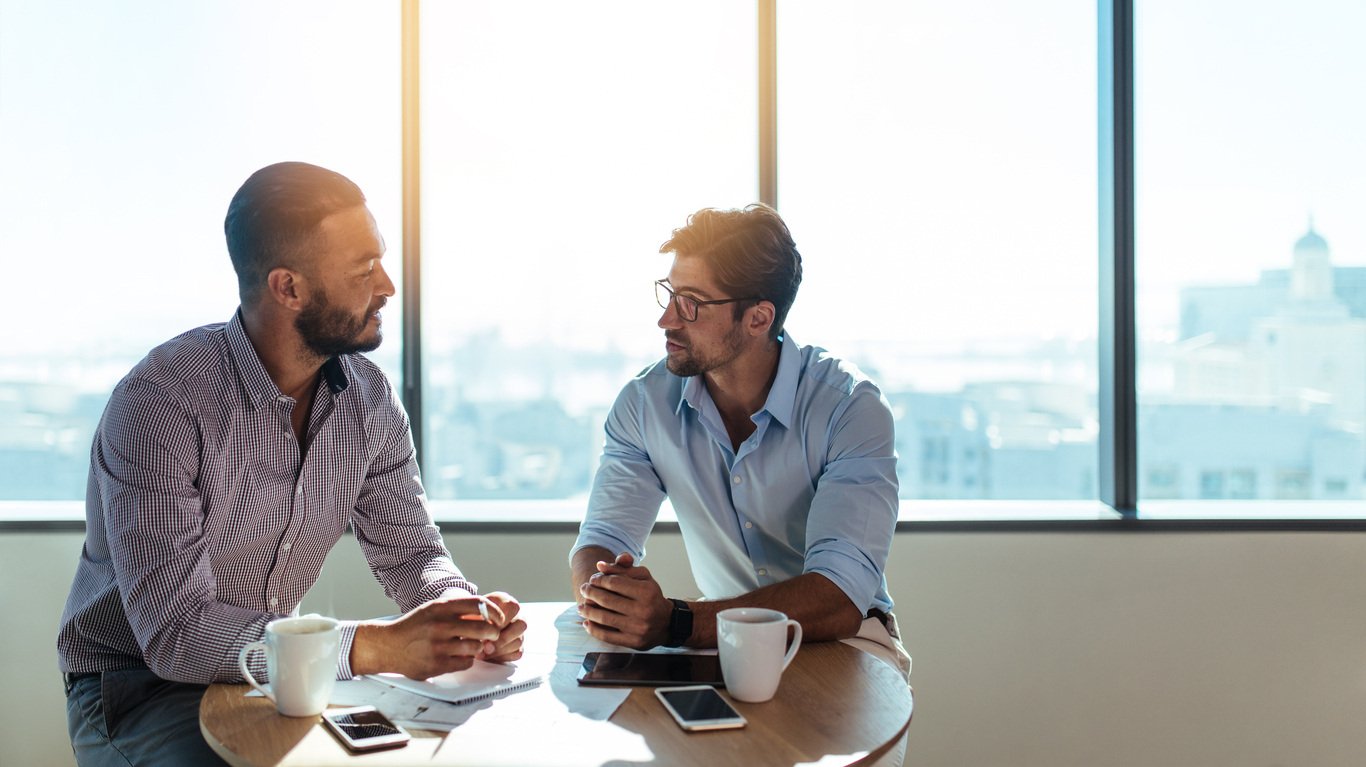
690,363
329,331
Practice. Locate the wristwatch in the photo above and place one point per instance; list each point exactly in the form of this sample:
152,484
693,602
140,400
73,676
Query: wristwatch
680,624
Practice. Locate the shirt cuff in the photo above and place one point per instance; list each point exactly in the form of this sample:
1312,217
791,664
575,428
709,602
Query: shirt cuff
348,638
456,592
605,541
846,569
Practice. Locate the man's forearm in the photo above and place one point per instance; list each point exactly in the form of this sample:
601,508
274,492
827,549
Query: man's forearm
811,599
584,565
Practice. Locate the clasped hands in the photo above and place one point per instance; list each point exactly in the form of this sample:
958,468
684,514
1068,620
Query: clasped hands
442,636
624,605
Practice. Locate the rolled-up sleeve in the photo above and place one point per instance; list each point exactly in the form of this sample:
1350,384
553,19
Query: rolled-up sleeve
154,521
627,491
854,510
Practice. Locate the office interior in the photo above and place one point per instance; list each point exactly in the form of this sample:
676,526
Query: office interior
998,206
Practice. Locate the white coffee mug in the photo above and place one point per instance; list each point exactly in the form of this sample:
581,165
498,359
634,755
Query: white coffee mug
301,659
751,642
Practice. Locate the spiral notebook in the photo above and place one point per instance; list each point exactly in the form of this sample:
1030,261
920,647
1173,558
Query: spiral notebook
481,681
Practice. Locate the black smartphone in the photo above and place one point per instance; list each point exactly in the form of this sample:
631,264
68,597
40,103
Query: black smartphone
363,728
699,707
639,668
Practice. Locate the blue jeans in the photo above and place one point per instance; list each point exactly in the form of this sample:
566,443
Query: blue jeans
134,717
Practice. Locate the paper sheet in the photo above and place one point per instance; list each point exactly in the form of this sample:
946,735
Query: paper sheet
478,682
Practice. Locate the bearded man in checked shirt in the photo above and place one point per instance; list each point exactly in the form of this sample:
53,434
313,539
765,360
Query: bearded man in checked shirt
229,462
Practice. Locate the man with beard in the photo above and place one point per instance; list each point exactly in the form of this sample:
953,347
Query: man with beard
777,458
229,462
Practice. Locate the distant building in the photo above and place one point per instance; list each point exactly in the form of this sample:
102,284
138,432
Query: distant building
1211,452
1295,340
998,440
1228,312
1269,395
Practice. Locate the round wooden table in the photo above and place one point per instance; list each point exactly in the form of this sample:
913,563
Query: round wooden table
836,706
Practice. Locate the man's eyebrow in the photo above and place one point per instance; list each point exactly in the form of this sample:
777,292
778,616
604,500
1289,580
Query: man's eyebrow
690,291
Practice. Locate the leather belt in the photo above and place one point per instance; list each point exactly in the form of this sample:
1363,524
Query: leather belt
69,678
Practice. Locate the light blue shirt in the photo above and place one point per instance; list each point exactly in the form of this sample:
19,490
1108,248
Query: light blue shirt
812,490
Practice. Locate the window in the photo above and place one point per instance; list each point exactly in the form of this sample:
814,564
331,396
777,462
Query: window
937,166
126,132
554,165
1251,265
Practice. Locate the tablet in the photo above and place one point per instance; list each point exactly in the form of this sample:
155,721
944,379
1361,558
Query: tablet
623,668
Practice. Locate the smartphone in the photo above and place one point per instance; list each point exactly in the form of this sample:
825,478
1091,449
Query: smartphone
363,728
618,668
699,707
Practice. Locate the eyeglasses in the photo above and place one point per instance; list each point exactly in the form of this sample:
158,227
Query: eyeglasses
686,304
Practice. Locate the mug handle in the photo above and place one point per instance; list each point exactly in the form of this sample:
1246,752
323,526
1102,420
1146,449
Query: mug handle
246,672
796,642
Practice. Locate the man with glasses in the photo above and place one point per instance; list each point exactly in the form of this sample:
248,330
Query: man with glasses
778,459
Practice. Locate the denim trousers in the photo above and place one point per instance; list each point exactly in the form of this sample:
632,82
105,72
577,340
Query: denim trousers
134,717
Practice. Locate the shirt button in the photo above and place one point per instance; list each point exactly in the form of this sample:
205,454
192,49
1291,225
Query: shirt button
285,547
274,602
748,525
762,571
299,490
736,479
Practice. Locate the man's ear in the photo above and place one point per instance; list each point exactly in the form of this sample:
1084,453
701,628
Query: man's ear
286,288
759,318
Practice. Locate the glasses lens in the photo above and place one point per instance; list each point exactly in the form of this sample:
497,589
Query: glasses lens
687,307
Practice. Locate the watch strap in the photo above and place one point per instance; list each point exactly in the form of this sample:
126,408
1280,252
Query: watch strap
680,624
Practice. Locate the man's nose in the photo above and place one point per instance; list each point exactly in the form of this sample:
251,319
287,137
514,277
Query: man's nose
670,319
384,286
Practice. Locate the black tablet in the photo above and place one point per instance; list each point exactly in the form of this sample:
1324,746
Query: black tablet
623,668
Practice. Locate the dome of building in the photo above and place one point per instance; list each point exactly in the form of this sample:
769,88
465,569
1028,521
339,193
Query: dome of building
1311,241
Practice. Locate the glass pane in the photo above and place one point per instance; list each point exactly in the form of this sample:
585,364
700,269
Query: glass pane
562,143
1251,256
938,171
126,131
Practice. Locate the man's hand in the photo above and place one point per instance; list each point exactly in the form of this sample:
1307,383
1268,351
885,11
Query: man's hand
441,636
624,605
508,645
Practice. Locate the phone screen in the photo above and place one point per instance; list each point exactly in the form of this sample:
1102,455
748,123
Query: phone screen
366,724
699,705
650,669
364,728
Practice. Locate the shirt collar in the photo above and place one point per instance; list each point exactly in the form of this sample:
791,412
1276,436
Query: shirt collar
782,396
256,382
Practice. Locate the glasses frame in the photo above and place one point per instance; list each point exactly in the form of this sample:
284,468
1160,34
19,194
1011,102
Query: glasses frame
682,300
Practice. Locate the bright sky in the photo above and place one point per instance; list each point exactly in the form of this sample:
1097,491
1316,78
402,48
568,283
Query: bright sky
937,159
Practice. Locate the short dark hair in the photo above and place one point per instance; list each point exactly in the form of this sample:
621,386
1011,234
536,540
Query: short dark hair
750,252
273,219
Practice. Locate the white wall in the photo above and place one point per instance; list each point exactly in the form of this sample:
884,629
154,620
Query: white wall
1032,649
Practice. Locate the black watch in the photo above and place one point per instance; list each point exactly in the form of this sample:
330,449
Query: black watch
680,624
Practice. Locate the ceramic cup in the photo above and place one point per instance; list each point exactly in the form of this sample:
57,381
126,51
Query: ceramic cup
301,660
754,652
